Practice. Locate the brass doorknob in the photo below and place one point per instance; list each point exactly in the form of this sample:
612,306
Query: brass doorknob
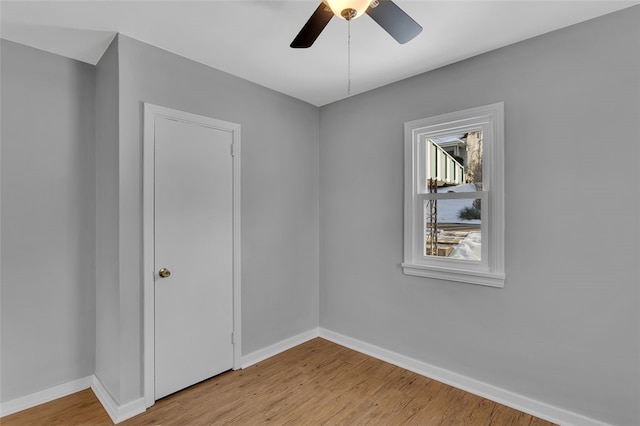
164,273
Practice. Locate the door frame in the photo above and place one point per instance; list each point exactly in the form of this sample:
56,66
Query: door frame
151,112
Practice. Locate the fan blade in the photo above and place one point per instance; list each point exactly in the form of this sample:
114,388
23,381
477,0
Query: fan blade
312,29
395,21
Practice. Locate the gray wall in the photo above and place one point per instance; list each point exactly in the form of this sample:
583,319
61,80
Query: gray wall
279,199
565,329
107,238
48,220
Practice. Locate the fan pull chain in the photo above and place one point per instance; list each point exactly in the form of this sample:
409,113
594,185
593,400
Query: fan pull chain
349,57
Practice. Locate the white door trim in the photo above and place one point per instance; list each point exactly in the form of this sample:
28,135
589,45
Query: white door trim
148,171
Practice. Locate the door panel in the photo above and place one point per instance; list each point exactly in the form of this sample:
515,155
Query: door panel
194,241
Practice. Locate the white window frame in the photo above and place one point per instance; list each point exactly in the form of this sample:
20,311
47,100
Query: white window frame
489,270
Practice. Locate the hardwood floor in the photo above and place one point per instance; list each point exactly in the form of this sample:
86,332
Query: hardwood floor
81,408
315,383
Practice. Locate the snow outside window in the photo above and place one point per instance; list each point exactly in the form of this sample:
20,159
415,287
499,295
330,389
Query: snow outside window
454,196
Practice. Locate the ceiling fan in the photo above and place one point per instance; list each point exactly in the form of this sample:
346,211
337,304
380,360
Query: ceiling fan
385,12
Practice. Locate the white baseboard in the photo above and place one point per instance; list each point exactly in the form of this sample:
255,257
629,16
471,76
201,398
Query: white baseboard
493,393
118,413
276,348
43,396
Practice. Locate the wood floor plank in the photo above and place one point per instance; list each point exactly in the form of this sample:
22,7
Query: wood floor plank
78,409
316,383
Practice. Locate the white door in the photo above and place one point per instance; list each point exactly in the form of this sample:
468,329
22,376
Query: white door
194,244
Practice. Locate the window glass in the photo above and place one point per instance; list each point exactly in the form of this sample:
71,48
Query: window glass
452,228
453,165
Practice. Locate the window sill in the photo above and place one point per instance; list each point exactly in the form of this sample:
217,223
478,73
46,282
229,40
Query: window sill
471,277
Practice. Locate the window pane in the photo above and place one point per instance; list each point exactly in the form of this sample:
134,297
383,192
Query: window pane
454,159
452,228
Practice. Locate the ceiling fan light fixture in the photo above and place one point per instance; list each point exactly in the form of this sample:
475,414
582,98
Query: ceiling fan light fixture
348,9
385,13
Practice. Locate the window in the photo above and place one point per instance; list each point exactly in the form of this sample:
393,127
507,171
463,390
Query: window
454,196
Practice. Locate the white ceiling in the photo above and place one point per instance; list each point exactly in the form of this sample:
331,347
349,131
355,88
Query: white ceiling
250,38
